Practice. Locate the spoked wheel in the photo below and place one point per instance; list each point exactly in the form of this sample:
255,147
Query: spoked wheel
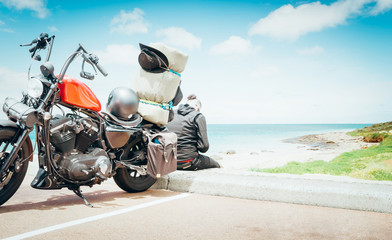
13,177
130,180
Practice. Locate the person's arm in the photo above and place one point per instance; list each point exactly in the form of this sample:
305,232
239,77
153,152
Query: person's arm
202,139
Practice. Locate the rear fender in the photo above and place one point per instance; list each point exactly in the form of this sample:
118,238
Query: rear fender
10,124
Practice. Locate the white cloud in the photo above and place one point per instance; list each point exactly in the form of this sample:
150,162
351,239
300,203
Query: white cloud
119,54
53,29
179,37
9,30
315,50
381,7
234,46
289,23
129,22
37,6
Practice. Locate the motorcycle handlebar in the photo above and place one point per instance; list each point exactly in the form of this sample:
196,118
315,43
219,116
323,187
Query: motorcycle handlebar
101,69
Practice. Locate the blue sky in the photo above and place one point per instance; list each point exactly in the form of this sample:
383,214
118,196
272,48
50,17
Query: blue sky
249,61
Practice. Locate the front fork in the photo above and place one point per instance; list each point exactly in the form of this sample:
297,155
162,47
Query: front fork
22,135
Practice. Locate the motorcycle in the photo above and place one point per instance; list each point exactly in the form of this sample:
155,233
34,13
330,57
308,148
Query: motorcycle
82,147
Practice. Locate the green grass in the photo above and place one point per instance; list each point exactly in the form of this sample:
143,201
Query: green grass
365,163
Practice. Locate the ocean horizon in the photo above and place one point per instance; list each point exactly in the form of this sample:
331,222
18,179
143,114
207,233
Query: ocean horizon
265,137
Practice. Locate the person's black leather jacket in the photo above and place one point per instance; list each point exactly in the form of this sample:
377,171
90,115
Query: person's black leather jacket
191,129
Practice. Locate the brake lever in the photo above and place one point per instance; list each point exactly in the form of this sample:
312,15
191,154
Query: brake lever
25,45
29,44
86,58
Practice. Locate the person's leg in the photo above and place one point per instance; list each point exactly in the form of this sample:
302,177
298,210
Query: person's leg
192,165
201,162
205,162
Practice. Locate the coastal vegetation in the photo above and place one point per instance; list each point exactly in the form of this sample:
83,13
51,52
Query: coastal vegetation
374,133
372,163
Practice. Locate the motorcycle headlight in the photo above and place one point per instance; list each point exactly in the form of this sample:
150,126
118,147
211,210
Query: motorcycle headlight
35,88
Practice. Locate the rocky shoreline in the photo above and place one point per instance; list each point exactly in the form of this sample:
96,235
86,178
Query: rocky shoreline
306,148
333,140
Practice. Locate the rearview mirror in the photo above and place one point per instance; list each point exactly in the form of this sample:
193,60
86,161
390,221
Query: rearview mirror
87,75
37,57
47,70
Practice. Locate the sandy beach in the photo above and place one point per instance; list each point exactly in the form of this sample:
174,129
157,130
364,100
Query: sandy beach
307,148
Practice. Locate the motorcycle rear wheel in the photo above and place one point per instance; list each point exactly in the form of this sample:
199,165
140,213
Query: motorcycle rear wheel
130,181
12,179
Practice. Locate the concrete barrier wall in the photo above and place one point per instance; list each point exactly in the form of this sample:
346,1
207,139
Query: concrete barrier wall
318,190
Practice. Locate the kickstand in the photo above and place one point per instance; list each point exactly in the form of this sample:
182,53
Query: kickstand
79,194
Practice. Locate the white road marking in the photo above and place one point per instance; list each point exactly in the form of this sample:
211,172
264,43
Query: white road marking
94,218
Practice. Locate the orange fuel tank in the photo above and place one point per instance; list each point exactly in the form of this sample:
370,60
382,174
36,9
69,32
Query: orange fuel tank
76,93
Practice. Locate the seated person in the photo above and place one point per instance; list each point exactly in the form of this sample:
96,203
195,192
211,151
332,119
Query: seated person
191,129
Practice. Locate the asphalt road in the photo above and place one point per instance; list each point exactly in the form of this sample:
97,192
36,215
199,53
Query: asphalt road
158,214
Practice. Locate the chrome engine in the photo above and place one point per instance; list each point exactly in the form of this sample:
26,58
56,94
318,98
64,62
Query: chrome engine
76,152
86,166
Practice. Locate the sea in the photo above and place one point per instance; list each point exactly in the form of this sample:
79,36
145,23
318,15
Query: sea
264,137
261,137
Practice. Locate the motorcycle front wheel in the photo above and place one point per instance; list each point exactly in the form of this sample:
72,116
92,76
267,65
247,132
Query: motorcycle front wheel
13,177
129,180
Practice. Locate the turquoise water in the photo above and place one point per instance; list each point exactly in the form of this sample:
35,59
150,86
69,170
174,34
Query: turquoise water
259,137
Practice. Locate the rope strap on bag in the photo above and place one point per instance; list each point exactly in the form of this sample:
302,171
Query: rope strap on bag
168,106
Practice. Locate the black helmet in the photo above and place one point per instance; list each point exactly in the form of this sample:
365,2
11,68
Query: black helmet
122,103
